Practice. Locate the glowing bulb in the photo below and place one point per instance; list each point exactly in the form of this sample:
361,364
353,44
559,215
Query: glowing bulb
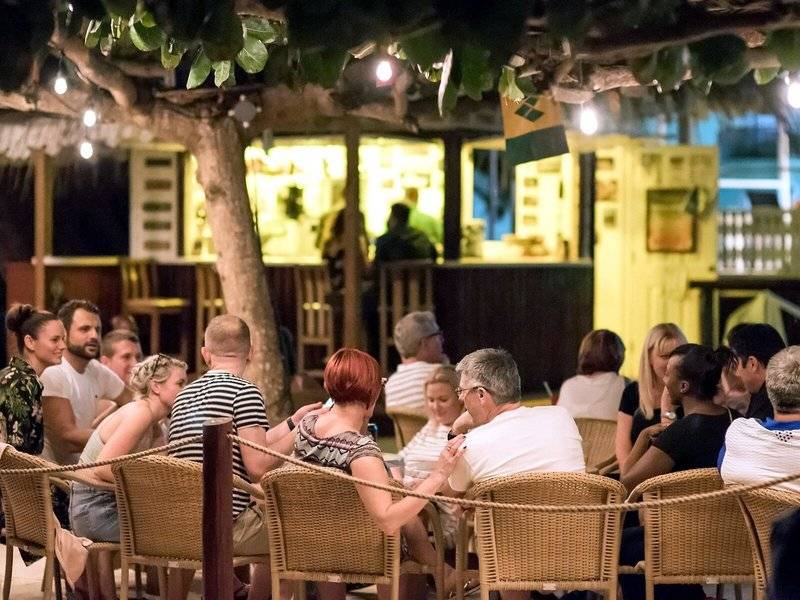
89,117
384,71
589,122
793,94
86,149
60,85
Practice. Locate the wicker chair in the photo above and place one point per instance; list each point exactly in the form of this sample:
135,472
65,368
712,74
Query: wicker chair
520,550
598,444
313,539
160,504
406,424
761,508
702,542
30,522
314,314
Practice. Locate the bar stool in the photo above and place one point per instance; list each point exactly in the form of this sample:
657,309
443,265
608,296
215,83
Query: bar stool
139,284
208,304
404,287
314,314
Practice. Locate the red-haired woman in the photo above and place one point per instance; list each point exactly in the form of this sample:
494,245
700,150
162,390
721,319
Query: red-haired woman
338,439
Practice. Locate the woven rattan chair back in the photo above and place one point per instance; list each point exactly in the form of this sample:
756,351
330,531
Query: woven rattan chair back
702,541
26,500
406,424
598,440
319,530
761,508
522,550
160,505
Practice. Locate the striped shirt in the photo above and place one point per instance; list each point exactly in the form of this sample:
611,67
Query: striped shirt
217,394
406,387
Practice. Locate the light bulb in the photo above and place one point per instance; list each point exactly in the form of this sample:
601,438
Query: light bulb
60,85
589,122
793,94
89,117
86,149
384,71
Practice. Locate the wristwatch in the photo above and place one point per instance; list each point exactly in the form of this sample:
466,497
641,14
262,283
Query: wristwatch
670,415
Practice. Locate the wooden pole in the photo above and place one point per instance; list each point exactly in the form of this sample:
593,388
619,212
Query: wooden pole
452,196
43,223
352,235
217,509
587,163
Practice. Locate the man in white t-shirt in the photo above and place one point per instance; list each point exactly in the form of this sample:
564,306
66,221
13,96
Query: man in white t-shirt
73,389
502,436
757,450
418,339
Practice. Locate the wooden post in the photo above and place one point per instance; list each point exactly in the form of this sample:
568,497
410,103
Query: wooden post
43,223
352,235
217,509
587,162
452,196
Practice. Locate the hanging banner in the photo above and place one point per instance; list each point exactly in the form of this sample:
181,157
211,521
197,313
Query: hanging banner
533,129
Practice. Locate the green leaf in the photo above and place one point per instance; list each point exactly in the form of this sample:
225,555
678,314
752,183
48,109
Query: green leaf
507,85
201,68
147,38
120,8
93,33
720,59
424,47
222,33
476,75
222,71
666,67
764,76
323,66
785,44
260,29
253,56
118,27
147,19
171,53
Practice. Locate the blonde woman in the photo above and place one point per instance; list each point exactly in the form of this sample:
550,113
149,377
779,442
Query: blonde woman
640,405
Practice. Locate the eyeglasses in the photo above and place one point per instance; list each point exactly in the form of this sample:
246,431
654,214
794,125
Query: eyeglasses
159,358
460,390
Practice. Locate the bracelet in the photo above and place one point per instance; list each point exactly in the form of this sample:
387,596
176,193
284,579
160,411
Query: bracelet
290,423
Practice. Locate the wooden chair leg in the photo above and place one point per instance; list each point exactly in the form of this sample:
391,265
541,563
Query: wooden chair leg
123,579
300,590
47,580
9,570
162,583
57,572
137,575
737,591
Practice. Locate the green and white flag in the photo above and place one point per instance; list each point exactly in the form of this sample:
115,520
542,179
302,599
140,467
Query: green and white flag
533,128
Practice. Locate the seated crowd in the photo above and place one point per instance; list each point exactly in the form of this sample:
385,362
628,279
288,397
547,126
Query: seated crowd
71,395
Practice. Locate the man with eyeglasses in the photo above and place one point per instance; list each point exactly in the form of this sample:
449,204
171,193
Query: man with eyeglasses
504,437
418,340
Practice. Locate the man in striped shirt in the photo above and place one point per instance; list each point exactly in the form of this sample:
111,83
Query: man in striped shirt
222,392
418,339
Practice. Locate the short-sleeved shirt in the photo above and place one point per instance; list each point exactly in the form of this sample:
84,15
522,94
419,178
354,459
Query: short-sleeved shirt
84,391
629,404
595,396
217,394
337,451
21,407
405,388
522,440
694,441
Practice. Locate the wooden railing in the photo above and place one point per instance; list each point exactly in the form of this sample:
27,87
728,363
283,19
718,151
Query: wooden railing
764,241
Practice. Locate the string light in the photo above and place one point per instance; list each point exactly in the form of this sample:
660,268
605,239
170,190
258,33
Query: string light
384,71
588,120
793,93
89,117
86,149
60,84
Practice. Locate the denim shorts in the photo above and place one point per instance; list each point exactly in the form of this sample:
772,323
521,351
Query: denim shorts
93,514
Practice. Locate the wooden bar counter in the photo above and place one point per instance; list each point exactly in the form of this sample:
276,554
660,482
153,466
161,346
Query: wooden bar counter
536,310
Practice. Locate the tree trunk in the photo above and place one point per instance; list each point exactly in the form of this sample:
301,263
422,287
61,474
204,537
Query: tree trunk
221,171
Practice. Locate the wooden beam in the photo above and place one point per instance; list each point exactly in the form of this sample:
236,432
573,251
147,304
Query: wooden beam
43,223
452,196
217,509
352,252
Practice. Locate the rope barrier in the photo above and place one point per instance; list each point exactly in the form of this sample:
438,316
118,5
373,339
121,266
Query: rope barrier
735,490
102,463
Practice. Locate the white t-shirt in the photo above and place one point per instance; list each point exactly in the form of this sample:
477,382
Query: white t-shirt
756,451
405,388
594,396
523,440
83,390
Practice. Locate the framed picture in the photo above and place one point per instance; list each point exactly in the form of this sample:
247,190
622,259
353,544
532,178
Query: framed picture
671,220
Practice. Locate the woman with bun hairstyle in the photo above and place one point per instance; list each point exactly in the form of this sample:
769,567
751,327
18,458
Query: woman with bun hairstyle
41,340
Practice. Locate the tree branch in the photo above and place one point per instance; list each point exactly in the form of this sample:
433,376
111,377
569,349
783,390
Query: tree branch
136,68
255,8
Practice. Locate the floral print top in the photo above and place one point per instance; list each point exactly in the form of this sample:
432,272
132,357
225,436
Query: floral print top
21,407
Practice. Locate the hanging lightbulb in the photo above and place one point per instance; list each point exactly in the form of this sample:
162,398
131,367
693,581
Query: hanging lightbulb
588,121
60,84
793,94
86,149
89,117
384,71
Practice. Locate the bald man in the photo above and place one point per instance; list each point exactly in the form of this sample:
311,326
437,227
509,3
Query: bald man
223,392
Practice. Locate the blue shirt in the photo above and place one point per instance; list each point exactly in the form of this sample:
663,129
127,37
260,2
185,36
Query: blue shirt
768,424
